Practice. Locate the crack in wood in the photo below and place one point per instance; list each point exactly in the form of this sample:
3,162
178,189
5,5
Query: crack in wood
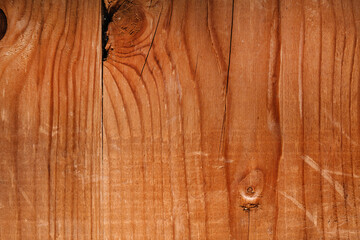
3,24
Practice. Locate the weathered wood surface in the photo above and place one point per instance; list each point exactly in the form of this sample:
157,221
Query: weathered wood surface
236,119
50,120
232,120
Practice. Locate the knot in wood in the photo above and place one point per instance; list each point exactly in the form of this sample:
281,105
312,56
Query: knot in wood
250,190
251,187
3,24
128,22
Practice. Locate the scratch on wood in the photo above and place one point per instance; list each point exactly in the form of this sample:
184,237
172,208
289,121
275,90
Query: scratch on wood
339,189
26,197
310,216
341,173
199,153
337,125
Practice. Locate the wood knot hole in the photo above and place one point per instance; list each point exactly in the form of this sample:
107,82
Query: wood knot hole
250,190
128,21
3,24
250,187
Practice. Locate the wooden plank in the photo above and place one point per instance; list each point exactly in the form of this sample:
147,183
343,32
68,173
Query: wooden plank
50,124
179,113
231,120
163,114
221,120
319,81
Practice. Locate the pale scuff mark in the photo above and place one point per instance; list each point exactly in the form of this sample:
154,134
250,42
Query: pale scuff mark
309,161
337,125
4,115
43,130
43,223
115,146
345,232
342,174
11,173
226,160
300,68
198,153
26,197
171,120
311,217
218,167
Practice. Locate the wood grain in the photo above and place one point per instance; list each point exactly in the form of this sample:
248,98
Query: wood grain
50,124
318,173
236,119
232,120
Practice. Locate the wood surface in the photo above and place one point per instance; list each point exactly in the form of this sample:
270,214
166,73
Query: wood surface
50,120
217,119
232,120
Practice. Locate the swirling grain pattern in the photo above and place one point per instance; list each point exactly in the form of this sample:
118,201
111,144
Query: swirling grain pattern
50,124
232,120
211,119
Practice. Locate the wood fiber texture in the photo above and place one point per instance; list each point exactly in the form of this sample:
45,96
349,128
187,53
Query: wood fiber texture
211,119
232,120
50,120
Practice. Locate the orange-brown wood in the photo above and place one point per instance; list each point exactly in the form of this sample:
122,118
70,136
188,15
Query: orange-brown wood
236,119
50,120
232,120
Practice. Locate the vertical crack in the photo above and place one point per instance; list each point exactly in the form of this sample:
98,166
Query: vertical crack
106,19
227,81
104,39
151,44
